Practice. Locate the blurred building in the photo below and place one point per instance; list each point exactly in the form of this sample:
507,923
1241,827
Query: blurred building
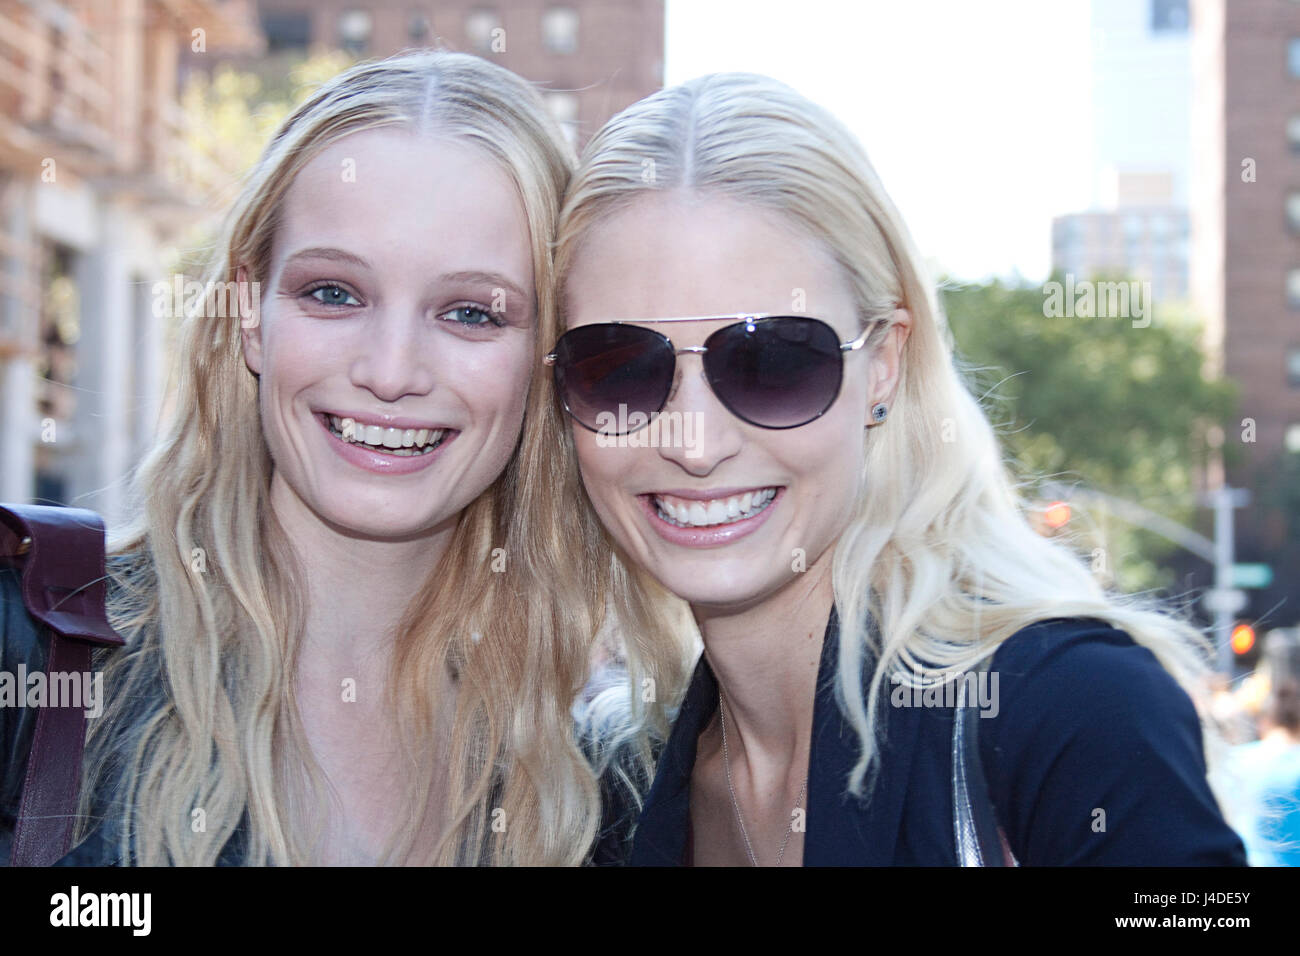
1139,126
1245,213
1143,235
594,57
98,175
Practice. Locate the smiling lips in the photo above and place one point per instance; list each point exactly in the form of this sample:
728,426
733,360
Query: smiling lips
712,512
402,442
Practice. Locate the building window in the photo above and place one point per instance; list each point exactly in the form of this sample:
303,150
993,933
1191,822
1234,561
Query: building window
484,30
1159,229
1293,288
417,28
1292,439
1168,16
61,313
354,31
286,31
1293,133
1293,210
560,30
1293,367
1293,56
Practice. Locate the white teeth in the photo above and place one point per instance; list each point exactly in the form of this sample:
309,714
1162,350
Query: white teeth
716,511
398,441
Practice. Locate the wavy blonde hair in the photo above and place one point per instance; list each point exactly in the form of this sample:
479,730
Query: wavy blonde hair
938,552
202,711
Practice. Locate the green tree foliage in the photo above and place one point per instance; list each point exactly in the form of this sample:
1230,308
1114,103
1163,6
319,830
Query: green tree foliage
1095,402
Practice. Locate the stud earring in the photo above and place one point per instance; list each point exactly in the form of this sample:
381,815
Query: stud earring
878,412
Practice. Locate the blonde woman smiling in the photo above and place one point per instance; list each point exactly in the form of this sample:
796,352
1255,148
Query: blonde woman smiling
844,527
377,660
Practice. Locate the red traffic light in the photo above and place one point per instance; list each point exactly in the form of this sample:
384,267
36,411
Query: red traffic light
1243,639
1056,515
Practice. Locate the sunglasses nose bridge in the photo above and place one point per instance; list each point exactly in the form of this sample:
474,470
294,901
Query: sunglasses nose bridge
678,371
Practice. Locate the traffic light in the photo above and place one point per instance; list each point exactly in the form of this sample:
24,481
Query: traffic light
1243,639
1056,515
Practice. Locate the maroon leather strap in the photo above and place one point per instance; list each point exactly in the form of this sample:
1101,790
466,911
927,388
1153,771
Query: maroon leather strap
61,555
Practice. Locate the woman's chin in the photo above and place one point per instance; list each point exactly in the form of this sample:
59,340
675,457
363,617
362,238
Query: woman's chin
718,587
376,525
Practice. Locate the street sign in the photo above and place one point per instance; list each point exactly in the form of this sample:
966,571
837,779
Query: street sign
1251,575
1224,600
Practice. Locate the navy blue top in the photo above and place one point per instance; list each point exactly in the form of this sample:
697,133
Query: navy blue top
1087,720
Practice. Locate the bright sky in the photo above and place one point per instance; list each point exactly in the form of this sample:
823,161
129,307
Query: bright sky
976,115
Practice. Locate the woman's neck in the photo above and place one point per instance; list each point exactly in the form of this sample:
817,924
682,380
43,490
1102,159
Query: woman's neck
356,589
766,658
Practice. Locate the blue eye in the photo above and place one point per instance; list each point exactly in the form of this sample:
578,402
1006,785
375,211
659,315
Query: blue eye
472,316
333,295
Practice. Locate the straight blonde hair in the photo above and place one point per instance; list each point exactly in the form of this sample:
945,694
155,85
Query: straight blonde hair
202,717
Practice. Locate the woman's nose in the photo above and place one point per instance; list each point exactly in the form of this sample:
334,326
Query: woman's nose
703,433
395,354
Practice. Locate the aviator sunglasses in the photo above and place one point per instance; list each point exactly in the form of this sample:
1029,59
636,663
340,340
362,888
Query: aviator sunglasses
773,371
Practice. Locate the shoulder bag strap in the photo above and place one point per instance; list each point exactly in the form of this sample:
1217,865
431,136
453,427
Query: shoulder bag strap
60,553
980,840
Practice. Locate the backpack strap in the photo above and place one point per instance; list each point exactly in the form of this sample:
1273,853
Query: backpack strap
60,554
980,840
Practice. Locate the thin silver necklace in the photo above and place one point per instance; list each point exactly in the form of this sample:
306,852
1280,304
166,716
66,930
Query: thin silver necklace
735,804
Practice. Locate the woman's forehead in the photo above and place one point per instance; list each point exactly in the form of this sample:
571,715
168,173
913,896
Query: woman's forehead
669,255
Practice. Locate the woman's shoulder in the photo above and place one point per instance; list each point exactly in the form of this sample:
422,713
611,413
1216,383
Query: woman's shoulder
1091,732
1067,677
1061,641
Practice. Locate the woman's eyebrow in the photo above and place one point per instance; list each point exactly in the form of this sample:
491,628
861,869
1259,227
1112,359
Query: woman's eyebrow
326,252
494,279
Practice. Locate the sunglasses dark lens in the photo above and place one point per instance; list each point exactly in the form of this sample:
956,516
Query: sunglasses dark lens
605,373
775,373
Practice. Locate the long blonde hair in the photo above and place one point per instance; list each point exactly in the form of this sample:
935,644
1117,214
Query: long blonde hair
202,713
938,552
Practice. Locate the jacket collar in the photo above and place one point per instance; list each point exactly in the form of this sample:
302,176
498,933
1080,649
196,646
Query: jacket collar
842,830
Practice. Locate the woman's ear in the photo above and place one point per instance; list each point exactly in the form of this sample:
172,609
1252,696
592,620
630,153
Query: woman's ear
887,360
250,320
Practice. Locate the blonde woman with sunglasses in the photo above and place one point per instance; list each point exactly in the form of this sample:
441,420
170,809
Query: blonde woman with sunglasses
768,423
